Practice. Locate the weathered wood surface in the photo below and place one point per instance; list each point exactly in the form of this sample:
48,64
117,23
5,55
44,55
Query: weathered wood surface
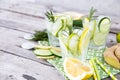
35,13
16,68
20,17
12,43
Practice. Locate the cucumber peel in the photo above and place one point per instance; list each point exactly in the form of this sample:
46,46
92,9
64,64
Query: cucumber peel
77,23
56,53
45,57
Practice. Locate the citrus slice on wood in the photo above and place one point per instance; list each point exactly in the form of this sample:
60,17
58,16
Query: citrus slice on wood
77,70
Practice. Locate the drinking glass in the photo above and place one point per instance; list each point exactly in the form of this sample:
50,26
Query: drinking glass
98,38
53,40
70,45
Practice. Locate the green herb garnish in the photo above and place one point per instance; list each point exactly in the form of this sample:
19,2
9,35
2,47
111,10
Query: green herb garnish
92,11
50,16
40,36
78,23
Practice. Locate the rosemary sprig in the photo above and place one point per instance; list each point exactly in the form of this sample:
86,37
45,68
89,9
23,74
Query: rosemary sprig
92,11
40,36
50,16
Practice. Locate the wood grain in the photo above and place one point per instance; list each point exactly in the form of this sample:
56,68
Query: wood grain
10,42
16,12
16,68
20,17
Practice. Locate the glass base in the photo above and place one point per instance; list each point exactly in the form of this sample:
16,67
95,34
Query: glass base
92,45
53,41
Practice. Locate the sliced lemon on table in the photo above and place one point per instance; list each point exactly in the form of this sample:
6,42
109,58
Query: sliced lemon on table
77,70
84,40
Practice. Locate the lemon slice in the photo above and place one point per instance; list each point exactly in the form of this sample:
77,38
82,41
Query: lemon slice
84,40
77,70
99,38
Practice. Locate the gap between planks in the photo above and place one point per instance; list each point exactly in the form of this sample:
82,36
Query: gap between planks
11,39
15,68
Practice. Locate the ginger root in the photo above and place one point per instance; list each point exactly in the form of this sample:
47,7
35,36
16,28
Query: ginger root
117,53
111,58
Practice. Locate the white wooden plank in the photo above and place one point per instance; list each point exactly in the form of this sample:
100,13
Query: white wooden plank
38,23
24,7
22,19
115,26
111,40
10,42
106,7
17,68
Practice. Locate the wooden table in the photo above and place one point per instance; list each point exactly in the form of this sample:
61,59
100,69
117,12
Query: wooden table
21,17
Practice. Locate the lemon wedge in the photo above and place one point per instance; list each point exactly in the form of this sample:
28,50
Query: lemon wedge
84,40
77,70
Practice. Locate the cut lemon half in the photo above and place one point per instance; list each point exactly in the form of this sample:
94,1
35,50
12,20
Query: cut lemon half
84,40
77,70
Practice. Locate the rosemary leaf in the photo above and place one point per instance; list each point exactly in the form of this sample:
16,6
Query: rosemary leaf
92,11
50,16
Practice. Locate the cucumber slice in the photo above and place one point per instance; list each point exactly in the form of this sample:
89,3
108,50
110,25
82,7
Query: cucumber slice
42,47
77,23
56,52
41,52
45,57
73,43
104,24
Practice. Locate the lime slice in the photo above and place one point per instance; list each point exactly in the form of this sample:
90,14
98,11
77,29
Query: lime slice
57,26
104,24
99,38
63,40
73,43
84,40
118,37
63,37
